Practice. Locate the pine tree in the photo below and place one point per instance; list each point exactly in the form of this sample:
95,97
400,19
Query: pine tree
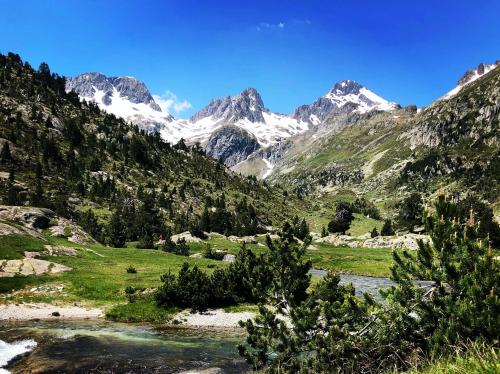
343,218
324,232
374,233
303,332
387,229
116,231
205,220
410,211
461,302
5,155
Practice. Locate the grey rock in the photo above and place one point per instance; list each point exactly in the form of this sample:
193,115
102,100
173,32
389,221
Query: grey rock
247,105
231,145
480,69
333,103
229,258
37,218
130,88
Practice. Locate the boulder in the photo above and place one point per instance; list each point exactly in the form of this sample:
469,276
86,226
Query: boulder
59,250
407,241
186,235
7,229
196,255
229,258
242,239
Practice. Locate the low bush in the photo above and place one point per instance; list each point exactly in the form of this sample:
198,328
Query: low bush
131,270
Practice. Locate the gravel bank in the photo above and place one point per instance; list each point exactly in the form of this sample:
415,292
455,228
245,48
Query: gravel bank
23,312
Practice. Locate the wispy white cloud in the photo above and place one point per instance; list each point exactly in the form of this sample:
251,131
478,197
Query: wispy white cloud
169,101
281,25
266,25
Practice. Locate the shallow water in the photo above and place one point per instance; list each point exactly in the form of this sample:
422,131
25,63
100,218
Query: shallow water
362,284
82,347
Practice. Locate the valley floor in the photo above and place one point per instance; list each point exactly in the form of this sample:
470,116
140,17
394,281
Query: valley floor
96,283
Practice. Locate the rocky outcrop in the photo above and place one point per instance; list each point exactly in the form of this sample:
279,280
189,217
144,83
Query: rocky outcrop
35,218
30,266
478,71
407,241
472,114
231,145
24,220
186,236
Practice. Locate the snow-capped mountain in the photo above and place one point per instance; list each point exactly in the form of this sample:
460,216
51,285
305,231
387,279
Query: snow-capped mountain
345,97
130,99
229,128
247,112
125,97
470,76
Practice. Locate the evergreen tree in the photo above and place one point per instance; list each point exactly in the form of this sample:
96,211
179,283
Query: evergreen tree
116,231
387,229
343,218
5,155
374,233
205,220
462,301
324,232
410,211
37,198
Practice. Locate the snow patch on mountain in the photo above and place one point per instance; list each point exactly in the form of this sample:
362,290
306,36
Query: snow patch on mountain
269,170
469,77
349,91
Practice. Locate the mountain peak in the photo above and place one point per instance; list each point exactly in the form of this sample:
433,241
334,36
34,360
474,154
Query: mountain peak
470,76
346,87
246,105
344,97
102,89
475,73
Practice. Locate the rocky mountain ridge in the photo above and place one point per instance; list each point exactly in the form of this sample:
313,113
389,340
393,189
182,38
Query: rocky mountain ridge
344,97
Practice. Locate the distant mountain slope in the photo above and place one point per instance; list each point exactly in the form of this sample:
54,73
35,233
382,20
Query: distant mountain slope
453,143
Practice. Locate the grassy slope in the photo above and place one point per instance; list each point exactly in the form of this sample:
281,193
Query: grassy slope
475,358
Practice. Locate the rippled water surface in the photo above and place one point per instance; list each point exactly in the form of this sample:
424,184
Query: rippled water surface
81,347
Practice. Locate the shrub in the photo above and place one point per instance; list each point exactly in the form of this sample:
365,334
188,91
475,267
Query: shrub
181,247
194,289
130,294
131,270
213,255
410,211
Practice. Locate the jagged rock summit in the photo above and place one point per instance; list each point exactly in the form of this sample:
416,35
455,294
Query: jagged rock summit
470,76
102,89
247,105
345,97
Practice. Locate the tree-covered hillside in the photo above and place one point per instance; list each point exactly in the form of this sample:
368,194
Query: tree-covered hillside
85,164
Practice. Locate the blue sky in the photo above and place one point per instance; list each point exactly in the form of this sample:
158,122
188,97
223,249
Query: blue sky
291,51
